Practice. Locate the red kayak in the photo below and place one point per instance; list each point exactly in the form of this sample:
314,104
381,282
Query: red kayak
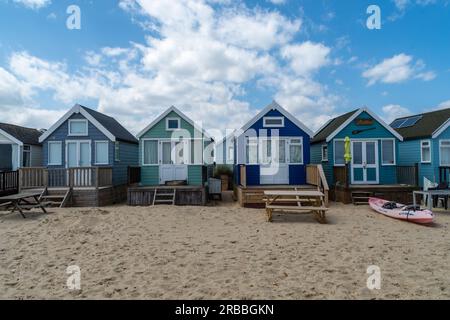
401,212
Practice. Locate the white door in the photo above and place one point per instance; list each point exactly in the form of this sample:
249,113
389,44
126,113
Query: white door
274,168
365,168
78,155
174,161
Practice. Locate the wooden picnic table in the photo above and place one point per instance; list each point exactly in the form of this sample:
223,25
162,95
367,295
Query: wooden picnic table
21,202
300,201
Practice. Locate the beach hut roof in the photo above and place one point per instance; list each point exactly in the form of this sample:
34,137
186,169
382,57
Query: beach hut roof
109,126
336,125
331,126
275,106
424,125
20,135
181,114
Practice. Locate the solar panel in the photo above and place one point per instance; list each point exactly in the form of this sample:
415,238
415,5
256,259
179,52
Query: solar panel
396,124
411,121
404,123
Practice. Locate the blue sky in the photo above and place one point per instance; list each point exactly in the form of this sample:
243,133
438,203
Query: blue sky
220,61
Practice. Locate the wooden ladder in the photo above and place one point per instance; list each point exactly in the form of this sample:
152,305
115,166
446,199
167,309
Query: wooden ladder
361,197
56,200
164,196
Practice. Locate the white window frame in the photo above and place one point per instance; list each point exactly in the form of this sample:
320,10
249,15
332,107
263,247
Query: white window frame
95,152
172,119
26,151
143,153
230,154
192,144
288,152
254,140
395,160
324,146
421,151
48,153
273,125
334,153
77,134
78,143
440,153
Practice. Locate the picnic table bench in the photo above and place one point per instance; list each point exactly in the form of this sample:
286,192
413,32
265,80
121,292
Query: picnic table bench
297,201
23,202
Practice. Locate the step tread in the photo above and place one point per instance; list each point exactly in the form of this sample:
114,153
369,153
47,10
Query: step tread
54,196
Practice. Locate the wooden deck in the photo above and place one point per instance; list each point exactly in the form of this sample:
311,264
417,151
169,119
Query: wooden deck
91,186
253,196
401,193
184,195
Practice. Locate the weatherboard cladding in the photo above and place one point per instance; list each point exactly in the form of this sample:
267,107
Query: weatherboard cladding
128,152
297,173
426,126
387,174
25,135
150,174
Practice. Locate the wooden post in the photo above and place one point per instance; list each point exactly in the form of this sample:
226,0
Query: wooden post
20,180
45,178
96,177
416,174
70,171
346,175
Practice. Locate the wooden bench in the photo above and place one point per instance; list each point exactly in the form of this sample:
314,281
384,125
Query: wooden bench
294,200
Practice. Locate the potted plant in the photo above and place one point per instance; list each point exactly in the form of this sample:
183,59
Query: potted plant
223,172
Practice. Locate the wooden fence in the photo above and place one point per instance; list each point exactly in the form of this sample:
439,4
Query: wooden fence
243,175
9,182
408,175
340,175
89,177
316,176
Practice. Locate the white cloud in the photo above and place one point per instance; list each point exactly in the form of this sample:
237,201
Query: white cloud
397,69
257,29
426,76
306,57
401,4
277,2
444,105
394,111
200,58
34,4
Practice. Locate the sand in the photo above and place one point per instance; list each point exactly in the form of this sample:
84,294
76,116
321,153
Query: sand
222,252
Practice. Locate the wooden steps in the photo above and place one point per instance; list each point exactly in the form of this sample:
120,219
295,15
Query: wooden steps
164,196
56,197
361,197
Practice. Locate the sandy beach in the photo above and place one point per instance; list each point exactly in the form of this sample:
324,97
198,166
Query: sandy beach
221,252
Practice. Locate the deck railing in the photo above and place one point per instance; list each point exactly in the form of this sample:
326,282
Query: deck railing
315,176
243,175
9,182
408,175
89,177
444,173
